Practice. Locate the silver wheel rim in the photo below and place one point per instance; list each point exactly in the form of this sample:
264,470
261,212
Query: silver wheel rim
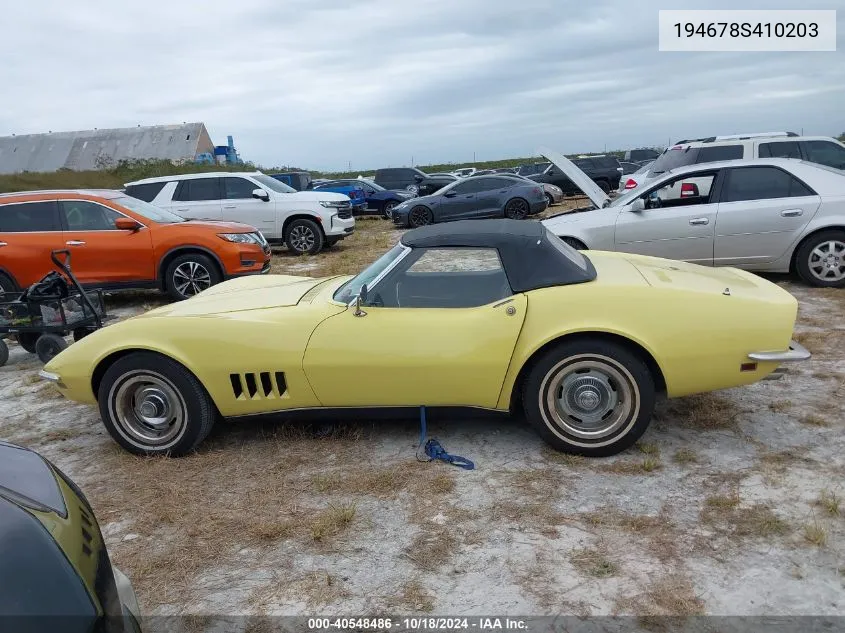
191,278
827,261
516,210
589,397
148,409
419,216
388,210
302,238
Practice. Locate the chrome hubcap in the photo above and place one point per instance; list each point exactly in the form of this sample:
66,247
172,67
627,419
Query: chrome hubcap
191,278
827,261
302,238
148,409
589,397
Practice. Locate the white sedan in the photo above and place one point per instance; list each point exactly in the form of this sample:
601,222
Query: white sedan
773,214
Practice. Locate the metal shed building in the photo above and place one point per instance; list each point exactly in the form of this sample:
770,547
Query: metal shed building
97,149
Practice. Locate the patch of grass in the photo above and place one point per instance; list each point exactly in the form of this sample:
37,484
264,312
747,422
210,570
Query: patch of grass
384,482
271,530
829,501
593,562
567,459
823,343
59,435
779,406
332,521
671,595
648,448
648,465
813,419
721,502
758,521
415,597
431,548
442,483
815,534
685,456
539,514
780,461
703,411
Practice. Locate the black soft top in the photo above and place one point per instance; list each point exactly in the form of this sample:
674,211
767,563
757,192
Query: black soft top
530,258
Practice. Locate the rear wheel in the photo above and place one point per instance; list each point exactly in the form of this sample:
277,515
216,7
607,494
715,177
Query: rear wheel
820,260
589,397
603,185
304,237
549,199
48,347
420,216
4,352
152,405
517,209
190,274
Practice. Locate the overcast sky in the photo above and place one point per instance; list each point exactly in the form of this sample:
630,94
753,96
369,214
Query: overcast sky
323,84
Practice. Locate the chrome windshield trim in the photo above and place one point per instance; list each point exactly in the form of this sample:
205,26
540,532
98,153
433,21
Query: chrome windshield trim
385,272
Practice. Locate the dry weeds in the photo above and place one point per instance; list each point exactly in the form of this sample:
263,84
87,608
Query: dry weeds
414,597
815,534
779,406
814,419
829,502
671,595
432,547
756,521
685,456
703,411
593,561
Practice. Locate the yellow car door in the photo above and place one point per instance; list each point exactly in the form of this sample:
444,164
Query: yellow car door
440,330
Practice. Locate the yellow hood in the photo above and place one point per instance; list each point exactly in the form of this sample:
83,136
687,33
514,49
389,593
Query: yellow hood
246,293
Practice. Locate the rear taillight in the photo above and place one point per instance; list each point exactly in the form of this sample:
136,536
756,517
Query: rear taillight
688,190
630,183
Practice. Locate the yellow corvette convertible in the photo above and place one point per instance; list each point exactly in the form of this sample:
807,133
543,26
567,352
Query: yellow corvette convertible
497,314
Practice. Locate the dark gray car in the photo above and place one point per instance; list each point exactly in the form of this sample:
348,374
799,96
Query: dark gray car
474,197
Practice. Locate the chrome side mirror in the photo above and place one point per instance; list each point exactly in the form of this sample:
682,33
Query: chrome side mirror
360,300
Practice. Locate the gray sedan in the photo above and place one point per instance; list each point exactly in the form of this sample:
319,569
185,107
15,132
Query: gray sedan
474,197
773,214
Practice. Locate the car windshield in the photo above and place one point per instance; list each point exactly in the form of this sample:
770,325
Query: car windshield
348,291
672,158
147,210
272,183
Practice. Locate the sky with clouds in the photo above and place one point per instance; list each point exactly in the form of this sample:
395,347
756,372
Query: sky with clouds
325,84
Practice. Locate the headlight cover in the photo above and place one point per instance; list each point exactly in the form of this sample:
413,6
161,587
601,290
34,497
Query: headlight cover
334,204
242,238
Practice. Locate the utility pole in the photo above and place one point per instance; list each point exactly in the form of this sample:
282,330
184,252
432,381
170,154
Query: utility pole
473,156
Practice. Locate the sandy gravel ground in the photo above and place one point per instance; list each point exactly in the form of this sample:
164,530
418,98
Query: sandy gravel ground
729,505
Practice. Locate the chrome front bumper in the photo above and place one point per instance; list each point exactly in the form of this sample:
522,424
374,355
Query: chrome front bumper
796,353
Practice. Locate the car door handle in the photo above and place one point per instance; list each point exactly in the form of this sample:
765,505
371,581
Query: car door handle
792,213
230,206
75,243
183,209
699,221
2,244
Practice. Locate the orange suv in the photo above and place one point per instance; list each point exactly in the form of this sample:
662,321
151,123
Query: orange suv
121,242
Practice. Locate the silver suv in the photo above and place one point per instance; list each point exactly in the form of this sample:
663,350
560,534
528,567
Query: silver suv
823,150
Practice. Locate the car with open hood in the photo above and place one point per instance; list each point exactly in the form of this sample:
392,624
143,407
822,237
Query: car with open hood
55,571
491,314
775,215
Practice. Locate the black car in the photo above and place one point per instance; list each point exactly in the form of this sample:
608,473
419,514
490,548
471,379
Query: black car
641,154
55,572
605,171
474,197
399,177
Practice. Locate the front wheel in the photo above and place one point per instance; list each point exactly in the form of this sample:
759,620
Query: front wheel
304,237
589,397
4,352
387,211
152,405
820,260
48,347
420,216
549,199
190,274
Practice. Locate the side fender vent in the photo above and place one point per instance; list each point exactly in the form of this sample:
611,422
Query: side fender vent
251,386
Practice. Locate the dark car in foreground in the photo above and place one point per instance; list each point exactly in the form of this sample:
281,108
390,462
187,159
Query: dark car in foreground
474,197
378,199
55,572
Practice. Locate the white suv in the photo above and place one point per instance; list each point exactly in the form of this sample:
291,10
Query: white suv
306,221
814,149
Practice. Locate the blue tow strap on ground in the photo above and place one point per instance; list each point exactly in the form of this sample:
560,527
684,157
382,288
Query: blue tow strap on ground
434,450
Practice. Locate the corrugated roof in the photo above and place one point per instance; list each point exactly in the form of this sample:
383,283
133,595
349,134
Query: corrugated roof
96,149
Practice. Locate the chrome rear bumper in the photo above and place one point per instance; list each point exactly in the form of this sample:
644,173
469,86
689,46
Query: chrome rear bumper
794,354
